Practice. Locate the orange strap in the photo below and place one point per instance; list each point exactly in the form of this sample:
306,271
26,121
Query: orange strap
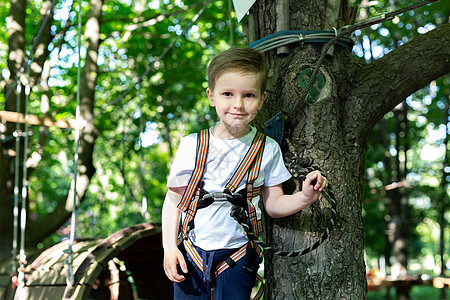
190,249
197,174
255,150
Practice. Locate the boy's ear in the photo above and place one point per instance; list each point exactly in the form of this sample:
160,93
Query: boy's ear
263,98
209,93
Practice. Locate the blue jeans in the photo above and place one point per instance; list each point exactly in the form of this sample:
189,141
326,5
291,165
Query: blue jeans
234,283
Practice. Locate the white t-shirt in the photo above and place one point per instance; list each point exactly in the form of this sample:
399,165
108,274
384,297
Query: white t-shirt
214,228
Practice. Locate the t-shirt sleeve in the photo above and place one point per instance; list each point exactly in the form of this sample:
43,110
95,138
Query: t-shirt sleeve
183,163
275,172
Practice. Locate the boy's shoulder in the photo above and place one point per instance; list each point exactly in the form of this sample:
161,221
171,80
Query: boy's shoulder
270,142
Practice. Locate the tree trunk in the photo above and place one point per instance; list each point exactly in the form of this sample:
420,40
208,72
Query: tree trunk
333,132
398,203
443,202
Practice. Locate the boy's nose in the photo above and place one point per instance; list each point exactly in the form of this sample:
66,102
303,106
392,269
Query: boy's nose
238,102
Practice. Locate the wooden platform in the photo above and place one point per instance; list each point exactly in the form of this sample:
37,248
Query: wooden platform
11,116
407,281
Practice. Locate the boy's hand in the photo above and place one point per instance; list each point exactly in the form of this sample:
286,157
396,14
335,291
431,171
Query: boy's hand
313,185
171,261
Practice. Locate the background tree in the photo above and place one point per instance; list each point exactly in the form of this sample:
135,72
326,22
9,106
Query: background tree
415,140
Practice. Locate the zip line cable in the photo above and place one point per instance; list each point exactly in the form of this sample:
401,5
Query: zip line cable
160,57
142,171
33,48
18,247
70,275
122,166
16,184
23,210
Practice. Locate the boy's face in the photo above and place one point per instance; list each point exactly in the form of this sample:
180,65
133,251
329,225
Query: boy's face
237,97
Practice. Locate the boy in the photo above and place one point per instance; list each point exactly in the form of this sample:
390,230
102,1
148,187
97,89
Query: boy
214,239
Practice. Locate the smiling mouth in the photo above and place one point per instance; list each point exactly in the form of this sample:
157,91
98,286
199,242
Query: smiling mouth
237,114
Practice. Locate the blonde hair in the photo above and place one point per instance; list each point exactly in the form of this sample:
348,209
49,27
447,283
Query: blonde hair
240,59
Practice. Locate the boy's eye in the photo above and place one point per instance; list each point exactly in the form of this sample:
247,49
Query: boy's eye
227,94
249,95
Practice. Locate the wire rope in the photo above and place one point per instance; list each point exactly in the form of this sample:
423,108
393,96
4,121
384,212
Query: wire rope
144,202
17,134
122,166
23,208
22,198
70,275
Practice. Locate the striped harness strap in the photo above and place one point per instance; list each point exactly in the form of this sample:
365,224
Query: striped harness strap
197,174
231,260
250,165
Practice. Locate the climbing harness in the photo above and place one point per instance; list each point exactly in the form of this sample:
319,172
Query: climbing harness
195,197
242,210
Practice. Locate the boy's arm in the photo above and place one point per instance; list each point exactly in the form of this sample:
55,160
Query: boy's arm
278,205
170,223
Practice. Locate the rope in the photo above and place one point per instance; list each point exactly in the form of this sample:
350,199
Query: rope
142,171
299,168
70,276
122,166
241,216
283,38
286,37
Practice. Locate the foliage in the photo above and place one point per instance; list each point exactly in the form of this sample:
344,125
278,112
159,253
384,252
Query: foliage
144,104
424,140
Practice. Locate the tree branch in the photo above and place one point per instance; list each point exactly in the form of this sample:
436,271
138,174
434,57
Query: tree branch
386,82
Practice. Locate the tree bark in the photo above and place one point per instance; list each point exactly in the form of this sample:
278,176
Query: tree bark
443,199
333,132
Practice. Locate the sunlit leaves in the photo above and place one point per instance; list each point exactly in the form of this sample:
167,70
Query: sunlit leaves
423,137
139,93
